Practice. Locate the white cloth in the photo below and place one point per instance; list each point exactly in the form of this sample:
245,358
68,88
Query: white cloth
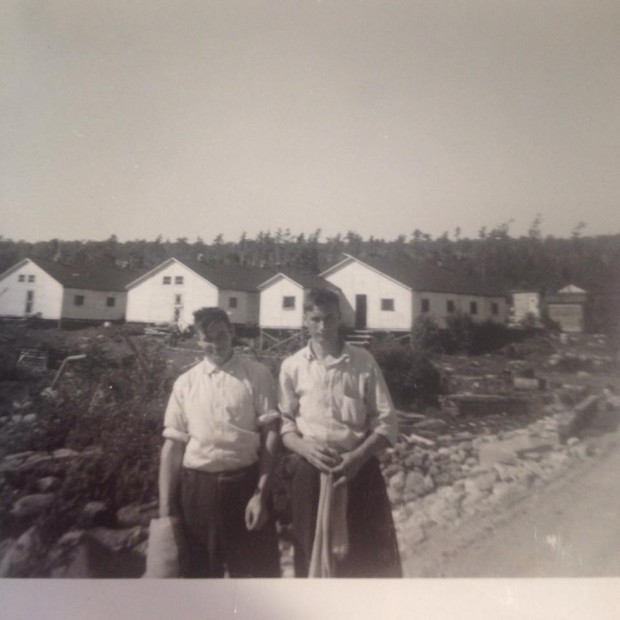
331,535
217,411
336,403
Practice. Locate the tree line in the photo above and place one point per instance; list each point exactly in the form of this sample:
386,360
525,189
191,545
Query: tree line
529,261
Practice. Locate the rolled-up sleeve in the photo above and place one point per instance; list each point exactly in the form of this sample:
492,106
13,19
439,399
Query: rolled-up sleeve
288,403
382,415
175,420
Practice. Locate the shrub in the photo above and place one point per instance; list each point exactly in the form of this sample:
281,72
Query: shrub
425,335
410,376
460,333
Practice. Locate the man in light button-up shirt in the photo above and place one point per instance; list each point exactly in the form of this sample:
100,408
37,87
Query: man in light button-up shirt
337,414
220,441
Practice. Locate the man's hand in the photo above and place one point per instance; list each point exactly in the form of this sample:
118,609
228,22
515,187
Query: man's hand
321,456
256,513
348,468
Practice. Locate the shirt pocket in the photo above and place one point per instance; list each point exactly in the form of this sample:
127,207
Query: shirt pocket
351,411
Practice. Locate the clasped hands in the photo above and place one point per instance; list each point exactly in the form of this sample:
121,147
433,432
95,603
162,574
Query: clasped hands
343,467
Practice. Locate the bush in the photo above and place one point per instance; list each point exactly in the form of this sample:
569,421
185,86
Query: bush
460,333
410,376
425,335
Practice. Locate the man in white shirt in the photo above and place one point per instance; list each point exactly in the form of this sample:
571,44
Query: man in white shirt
220,431
337,414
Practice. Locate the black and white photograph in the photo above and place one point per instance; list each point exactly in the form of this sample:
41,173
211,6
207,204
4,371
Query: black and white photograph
310,307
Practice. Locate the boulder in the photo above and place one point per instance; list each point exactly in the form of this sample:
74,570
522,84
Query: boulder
117,540
135,514
17,560
32,505
486,482
94,514
48,483
415,483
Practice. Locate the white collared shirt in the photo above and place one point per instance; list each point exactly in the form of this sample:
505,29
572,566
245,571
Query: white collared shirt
337,403
215,411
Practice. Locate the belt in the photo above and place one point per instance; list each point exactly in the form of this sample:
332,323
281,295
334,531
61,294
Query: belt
231,474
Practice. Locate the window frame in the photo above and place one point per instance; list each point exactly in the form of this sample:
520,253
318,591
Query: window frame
290,298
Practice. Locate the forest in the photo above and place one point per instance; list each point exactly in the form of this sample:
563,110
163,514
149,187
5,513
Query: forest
534,260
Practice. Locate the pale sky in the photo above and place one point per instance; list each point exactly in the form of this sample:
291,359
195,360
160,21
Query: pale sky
193,118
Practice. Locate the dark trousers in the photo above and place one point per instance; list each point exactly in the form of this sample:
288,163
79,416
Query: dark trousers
373,548
213,514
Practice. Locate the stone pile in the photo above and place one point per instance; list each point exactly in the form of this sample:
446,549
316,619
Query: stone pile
464,475
101,543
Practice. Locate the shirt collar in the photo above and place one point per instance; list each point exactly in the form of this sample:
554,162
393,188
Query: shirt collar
210,367
344,355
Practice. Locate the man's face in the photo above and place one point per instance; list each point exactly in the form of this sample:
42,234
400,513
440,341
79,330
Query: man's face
322,323
216,342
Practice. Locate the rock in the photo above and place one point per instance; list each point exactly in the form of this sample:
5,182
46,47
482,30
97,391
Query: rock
413,534
30,418
18,558
572,441
65,453
429,484
397,481
118,540
486,482
415,483
48,483
132,515
32,505
391,470
395,496
95,513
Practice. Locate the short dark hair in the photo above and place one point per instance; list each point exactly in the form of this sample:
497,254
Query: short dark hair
321,297
204,317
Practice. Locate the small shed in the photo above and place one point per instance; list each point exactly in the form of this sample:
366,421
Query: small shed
567,307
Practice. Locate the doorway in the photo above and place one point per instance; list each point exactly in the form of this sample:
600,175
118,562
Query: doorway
360,311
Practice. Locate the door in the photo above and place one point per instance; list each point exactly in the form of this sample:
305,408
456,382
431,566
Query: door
178,307
29,302
360,312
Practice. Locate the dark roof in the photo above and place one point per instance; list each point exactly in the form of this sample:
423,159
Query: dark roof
423,277
89,277
230,277
307,280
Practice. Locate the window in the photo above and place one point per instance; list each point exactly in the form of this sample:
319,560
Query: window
232,302
426,305
387,305
473,307
450,306
494,308
22,278
178,279
30,278
288,303
167,280
110,302
78,300
178,300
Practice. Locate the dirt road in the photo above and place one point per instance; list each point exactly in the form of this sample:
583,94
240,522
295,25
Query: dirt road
570,528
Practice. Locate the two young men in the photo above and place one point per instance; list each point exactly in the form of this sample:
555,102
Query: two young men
336,415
